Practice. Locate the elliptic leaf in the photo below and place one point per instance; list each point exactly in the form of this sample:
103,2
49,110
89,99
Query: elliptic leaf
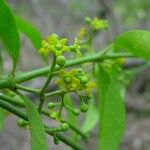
30,31
135,41
112,112
8,32
38,135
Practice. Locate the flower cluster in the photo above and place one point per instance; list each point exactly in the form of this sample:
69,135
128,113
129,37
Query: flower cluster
56,45
97,24
75,80
53,44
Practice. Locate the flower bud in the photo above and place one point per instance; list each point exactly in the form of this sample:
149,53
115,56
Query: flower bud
62,120
51,105
58,46
84,107
64,126
76,112
58,129
88,20
67,79
83,80
56,140
22,123
54,115
72,48
61,61
80,71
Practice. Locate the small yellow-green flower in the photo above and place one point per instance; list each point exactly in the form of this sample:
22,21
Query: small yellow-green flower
97,24
76,47
45,48
53,44
82,32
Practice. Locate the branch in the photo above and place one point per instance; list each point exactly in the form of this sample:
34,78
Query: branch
22,115
19,102
6,82
27,89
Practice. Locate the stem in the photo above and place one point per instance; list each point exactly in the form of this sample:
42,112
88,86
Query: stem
117,55
43,71
50,75
13,109
12,100
42,98
19,102
69,142
84,136
66,141
57,92
27,89
61,105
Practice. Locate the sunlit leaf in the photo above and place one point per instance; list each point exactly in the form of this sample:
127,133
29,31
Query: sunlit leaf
1,64
38,136
112,112
30,31
8,32
135,41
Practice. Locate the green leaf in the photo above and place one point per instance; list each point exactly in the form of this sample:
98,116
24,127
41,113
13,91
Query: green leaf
2,119
30,31
1,64
112,111
135,41
92,114
8,32
38,135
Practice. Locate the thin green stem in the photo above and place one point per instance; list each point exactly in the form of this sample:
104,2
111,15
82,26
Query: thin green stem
42,98
13,100
67,141
117,55
17,101
61,105
84,136
13,109
27,89
50,75
57,92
